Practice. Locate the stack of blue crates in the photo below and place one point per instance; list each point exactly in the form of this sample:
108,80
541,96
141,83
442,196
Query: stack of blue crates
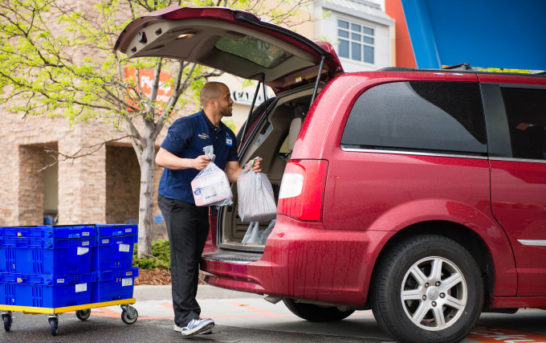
46,266
115,274
59,266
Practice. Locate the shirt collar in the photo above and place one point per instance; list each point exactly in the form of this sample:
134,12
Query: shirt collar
211,126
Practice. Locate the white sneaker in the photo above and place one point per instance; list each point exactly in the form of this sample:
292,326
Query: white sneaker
197,326
179,329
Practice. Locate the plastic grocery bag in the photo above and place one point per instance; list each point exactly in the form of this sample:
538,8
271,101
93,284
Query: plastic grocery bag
256,199
254,235
211,186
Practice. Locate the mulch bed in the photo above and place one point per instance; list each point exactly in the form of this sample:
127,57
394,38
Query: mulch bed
153,277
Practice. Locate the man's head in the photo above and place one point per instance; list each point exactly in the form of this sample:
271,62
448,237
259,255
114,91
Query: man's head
215,99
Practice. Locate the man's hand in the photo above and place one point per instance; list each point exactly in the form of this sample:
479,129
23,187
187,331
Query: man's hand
257,166
200,162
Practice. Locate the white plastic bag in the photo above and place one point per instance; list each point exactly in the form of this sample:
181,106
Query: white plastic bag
211,186
255,196
254,235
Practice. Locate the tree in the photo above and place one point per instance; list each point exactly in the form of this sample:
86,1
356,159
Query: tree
56,58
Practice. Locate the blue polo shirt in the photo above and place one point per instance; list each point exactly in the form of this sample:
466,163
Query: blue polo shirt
186,138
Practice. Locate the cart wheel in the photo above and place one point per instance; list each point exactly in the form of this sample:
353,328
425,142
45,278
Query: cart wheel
54,325
6,317
83,315
129,315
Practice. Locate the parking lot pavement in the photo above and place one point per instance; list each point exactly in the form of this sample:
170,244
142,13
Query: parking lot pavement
248,311
243,317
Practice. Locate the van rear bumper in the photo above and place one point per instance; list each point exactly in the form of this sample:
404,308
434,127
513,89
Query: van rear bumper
302,260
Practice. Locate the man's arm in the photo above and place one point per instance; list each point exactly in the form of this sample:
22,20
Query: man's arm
233,169
168,160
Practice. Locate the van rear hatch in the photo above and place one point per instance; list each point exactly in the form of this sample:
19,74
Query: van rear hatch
233,41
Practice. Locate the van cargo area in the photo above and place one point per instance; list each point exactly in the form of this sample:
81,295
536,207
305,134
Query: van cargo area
273,139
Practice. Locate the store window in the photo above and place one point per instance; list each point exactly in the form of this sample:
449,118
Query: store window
355,41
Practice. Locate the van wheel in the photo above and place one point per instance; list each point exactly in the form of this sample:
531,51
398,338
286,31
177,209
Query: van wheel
427,289
315,313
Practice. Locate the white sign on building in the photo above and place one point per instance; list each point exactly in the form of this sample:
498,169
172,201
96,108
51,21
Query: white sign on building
245,98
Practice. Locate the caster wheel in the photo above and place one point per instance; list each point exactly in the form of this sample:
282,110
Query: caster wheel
54,326
129,315
7,321
83,315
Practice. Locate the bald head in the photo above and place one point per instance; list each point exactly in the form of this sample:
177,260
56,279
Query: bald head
212,90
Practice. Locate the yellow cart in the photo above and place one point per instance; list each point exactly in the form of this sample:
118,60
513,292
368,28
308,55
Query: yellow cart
129,314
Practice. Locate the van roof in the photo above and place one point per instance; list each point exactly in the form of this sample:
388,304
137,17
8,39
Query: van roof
463,69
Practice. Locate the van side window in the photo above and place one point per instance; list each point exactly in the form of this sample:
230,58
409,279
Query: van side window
526,112
418,115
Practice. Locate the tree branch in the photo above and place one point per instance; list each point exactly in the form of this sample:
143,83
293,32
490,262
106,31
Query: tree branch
48,96
155,85
82,152
177,90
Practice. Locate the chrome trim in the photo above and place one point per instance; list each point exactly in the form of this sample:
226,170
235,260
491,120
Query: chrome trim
533,242
418,153
514,159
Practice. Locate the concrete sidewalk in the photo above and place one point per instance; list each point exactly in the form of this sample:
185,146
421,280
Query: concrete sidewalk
152,292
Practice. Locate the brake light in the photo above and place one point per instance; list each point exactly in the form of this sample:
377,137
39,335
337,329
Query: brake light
302,188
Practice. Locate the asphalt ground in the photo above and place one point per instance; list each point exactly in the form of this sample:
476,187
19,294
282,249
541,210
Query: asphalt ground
243,317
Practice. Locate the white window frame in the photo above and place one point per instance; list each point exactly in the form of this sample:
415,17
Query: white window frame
350,39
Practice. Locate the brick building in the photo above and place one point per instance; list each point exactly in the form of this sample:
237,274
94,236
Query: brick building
100,187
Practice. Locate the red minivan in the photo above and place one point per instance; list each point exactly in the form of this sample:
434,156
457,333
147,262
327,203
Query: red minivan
420,194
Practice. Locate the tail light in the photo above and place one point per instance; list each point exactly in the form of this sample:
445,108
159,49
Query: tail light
302,188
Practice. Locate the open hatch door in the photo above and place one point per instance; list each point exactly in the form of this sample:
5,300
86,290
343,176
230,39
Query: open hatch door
233,41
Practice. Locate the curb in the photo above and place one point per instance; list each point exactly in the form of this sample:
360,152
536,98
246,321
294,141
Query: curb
163,292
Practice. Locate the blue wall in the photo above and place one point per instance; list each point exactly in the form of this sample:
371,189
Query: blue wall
485,33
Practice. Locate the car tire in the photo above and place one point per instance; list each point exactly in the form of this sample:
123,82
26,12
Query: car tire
316,313
427,289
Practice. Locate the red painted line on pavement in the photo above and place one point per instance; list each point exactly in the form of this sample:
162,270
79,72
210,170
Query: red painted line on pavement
485,334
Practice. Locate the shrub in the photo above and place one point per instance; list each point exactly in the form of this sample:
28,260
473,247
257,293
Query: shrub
161,257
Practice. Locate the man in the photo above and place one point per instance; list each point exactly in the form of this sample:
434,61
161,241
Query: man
181,154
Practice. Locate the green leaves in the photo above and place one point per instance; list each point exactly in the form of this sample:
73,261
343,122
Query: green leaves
57,55
160,258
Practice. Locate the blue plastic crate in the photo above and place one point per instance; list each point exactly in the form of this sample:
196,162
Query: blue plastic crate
50,291
114,285
115,252
36,255
116,229
49,231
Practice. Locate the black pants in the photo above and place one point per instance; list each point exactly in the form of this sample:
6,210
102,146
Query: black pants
188,228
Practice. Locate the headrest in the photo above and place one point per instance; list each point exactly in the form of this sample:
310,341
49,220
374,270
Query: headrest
295,127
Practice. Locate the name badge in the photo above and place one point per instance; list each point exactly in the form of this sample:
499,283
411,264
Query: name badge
229,141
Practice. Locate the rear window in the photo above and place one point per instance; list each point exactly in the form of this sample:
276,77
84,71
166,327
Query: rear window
255,50
418,115
526,111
